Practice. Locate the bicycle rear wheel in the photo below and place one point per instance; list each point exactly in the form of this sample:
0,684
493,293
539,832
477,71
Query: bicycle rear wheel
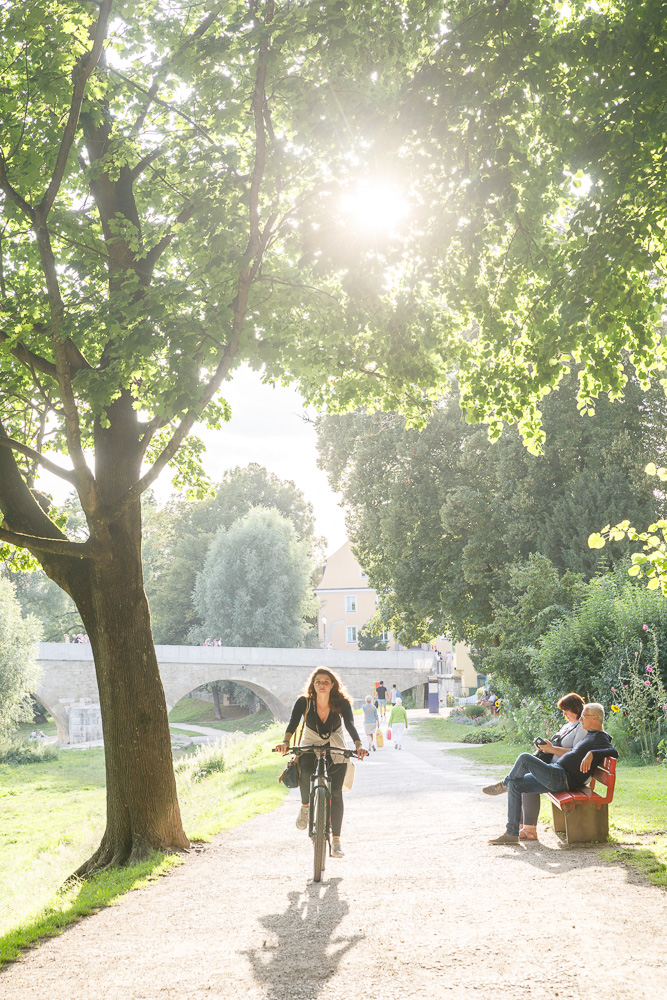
320,840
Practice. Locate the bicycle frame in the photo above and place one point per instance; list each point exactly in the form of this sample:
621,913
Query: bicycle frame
320,779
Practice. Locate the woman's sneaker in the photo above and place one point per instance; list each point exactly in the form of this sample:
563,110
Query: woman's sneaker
302,818
336,851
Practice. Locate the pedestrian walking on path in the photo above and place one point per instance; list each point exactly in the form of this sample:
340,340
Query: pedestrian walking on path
398,723
371,720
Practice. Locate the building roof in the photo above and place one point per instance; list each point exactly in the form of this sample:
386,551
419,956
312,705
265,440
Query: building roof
343,572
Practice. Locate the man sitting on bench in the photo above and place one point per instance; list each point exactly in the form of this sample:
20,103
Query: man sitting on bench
569,772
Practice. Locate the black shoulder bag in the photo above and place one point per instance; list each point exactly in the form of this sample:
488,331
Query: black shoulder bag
290,776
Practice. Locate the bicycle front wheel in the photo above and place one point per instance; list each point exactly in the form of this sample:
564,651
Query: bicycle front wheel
320,840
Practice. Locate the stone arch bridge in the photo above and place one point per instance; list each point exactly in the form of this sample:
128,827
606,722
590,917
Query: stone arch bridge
68,686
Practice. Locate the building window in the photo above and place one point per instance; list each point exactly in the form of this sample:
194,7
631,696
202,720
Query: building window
350,606
364,576
351,633
384,636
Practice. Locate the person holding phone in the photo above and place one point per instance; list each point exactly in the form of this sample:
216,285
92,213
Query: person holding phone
567,737
570,771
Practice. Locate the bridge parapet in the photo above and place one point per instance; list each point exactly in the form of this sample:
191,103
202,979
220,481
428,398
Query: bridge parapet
276,675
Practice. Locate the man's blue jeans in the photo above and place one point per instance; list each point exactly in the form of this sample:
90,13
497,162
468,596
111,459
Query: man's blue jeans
530,774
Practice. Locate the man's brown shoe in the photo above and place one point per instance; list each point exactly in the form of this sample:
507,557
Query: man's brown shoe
496,789
505,838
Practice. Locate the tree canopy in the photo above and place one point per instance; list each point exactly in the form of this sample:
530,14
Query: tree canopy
177,537
438,518
255,586
533,137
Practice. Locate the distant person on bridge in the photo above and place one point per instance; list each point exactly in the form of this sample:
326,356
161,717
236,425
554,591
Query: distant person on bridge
324,707
371,720
381,695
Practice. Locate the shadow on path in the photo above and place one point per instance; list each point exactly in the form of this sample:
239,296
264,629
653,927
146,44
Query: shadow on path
302,948
563,858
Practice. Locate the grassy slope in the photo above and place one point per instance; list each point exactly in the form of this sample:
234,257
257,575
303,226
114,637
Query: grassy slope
638,812
202,713
52,818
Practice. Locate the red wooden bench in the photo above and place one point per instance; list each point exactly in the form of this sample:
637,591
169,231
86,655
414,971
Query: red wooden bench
584,815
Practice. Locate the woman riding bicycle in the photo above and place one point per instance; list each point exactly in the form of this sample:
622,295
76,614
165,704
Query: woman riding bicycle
326,706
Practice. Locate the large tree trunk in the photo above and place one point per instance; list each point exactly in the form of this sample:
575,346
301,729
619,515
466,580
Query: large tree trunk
143,814
142,806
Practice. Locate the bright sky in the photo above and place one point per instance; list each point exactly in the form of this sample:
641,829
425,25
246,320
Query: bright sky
267,427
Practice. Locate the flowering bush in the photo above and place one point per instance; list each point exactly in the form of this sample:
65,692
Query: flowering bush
640,701
530,719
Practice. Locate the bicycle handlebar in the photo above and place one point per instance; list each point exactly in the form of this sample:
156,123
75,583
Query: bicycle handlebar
318,748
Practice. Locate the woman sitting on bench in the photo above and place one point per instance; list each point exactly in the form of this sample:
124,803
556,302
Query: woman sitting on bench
571,705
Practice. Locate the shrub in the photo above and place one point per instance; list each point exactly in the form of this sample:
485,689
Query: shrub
483,736
584,651
23,752
639,700
529,719
206,760
474,711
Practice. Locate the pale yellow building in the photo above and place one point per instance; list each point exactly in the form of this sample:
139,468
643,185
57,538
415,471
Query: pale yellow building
347,602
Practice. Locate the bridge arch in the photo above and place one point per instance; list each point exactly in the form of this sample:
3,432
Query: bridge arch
175,691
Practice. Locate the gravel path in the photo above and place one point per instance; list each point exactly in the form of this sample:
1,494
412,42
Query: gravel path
421,907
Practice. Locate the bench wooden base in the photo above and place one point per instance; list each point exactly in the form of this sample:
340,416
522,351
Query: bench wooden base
583,815
582,823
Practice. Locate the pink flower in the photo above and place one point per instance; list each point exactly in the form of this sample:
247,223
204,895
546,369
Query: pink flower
625,686
649,670
614,690
645,627
647,683
664,708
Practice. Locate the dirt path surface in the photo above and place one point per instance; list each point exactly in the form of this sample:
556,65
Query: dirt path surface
421,907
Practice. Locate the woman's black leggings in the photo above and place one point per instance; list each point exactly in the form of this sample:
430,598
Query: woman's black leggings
530,803
307,766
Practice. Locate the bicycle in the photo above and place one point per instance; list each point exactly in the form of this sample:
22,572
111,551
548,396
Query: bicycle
319,803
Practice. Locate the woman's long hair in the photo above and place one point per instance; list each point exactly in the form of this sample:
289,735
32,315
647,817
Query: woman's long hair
338,694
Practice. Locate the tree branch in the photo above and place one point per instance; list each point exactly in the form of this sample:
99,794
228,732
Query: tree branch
145,161
163,104
32,361
257,240
36,456
81,74
11,193
51,546
153,89
179,434
155,252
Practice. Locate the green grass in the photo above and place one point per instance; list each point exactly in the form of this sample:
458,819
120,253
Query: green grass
637,815
52,818
443,729
77,899
247,787
202,713
245,724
